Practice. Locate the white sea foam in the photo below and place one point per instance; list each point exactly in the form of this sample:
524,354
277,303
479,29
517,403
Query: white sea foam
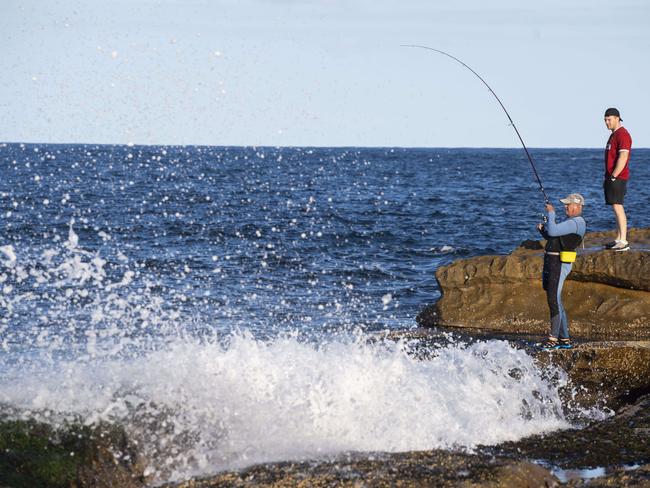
8,251
443,249
199,408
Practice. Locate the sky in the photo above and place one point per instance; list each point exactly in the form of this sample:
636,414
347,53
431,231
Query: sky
322,72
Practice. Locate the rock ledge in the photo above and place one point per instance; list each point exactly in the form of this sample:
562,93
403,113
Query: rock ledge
607,295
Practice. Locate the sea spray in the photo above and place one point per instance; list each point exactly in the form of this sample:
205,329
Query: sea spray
200,407
108,348
66,300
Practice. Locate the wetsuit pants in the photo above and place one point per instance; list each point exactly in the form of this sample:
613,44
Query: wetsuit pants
553,276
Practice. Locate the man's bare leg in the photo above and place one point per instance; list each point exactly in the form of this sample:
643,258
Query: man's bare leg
621,221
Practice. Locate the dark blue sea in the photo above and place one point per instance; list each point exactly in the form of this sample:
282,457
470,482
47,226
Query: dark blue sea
234,290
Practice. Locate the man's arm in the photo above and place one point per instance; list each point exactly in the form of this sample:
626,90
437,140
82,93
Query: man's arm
561,229
621,161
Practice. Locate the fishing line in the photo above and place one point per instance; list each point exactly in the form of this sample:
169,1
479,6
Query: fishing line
532,164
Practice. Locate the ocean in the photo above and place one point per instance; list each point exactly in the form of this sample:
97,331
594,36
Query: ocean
231,305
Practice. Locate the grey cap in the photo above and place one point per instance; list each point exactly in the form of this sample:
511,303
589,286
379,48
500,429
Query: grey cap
573,198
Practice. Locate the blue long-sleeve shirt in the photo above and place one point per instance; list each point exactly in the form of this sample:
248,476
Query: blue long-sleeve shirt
574,225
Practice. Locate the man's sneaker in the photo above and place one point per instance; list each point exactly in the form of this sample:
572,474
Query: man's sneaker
550,345
611,244
620,246
565,344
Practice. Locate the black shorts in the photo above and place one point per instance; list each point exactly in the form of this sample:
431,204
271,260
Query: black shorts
614,191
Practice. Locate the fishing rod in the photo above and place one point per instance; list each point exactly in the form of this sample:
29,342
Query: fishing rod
532,164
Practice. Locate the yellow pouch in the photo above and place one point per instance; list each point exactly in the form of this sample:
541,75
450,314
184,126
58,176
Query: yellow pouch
568,256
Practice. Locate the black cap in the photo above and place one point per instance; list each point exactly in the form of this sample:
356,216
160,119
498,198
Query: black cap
614,112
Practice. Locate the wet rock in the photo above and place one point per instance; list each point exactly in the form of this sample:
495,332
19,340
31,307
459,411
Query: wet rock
610,373
629,477
607,295
617,441
413,469
34,454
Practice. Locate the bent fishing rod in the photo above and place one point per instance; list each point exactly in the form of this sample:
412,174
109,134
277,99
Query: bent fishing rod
532,164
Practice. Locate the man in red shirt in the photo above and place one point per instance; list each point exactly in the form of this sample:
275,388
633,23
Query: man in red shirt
617,159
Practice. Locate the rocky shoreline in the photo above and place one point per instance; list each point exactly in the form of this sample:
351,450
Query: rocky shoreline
485,297
618,448
621,444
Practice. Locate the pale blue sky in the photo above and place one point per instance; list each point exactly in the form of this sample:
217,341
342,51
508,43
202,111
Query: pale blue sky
322,72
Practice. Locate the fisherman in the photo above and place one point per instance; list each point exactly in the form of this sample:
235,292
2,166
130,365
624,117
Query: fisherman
562,240
617,159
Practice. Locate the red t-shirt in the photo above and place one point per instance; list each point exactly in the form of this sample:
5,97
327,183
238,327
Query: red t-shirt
620,139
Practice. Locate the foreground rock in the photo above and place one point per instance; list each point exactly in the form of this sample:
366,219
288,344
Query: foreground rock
34,454
414,469
607,295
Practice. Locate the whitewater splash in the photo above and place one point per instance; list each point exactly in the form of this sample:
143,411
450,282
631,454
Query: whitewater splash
199,408
106,348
